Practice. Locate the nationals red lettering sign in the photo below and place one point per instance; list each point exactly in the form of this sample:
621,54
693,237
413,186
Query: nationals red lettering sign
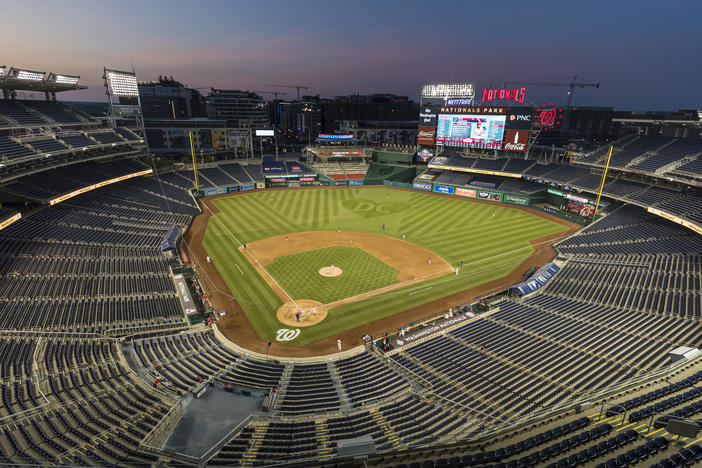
510,94
426,136
516,140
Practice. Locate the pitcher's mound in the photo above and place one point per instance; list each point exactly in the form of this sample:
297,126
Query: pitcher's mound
330,271
311,312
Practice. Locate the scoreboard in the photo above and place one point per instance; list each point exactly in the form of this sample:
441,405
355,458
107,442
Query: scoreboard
481,127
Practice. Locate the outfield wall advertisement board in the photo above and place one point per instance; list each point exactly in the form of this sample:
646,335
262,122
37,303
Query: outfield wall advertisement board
468,192
489,195
422,186
465,192
443,189
516,199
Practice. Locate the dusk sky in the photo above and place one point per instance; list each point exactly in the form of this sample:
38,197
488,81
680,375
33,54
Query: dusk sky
645,54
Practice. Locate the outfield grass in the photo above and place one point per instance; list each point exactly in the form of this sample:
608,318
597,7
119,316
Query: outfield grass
298,274
457,230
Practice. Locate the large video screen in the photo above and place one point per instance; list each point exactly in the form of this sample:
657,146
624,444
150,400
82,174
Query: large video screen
471,131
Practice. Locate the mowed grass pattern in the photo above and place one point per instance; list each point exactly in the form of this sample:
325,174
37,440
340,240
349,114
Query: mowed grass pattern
490,238
298,274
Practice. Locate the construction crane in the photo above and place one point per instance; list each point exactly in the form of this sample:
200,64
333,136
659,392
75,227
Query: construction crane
298,87
274,93
570,85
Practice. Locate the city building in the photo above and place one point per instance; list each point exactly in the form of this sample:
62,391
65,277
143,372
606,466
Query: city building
240,109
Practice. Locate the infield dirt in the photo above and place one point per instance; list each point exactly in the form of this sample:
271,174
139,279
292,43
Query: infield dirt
236,326
412,261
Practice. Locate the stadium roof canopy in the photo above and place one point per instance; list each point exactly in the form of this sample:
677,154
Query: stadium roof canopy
657,121
18,79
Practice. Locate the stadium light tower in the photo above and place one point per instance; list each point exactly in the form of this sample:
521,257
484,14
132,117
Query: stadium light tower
123,85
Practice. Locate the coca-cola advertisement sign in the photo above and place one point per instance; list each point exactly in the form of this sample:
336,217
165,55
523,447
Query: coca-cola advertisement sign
516,140
426,136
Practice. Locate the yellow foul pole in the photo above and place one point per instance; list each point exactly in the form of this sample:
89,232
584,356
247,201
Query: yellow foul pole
192,151
604,175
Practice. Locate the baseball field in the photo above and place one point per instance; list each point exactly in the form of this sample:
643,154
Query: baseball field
358,255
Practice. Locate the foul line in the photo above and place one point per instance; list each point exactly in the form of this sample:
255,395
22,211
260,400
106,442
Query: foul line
237,267
249,254
421,290
403,284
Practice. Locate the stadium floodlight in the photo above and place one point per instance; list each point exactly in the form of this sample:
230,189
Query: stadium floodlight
29,75
121,83
64,79
3,68
446,90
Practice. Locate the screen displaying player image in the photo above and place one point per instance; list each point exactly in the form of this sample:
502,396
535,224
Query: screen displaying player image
470,131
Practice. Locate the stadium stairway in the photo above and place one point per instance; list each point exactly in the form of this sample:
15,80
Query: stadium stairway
382,423
324,448
344,400
283,385
251,454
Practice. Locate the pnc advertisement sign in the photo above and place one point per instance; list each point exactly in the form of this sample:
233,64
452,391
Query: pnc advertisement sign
426,136
519,118
516,94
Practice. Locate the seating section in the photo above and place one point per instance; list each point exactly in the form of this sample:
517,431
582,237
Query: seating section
215,177
52,183
45,145
105,137
76,140
255,171
6,213
56,112
331,169
127,134
237,172
490,164
453,178
17,113
93,263
675,150
10,149
78,389
677,157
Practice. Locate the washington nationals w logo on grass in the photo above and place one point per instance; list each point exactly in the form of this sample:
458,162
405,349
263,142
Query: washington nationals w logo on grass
287,334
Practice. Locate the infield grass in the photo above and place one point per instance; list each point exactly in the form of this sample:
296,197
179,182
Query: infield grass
298,274
491,240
